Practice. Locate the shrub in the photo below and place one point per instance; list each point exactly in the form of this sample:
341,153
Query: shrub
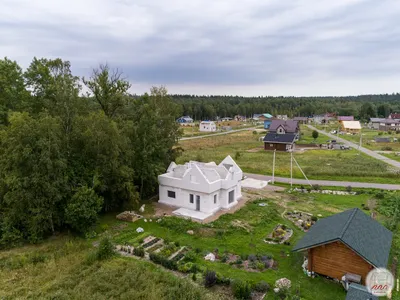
252,258
177,244
197,250
190,256
224,258
239,261
260,266
316,187
255,132
210,278
139,251
237,155
241,290
380,195
194,277
349,188
283,226
286,243
314,218
387,148
261,287
105,249
161,260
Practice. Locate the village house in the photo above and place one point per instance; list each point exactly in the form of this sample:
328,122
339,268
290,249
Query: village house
324,118
282,135
301,120
199,189
282,117
374,123
207,126
239,118
225,119
394,116
184,119
389,125
350,126
347,244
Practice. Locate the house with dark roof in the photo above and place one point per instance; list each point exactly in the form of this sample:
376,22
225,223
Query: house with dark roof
359,292
374,122
279,142
283,127
345,118
389,125
349,242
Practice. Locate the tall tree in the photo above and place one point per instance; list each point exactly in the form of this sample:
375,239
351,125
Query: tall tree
109,89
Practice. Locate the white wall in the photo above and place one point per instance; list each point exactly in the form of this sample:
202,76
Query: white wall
207,127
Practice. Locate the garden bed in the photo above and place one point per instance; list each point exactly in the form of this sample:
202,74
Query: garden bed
250,263
280,235
301,219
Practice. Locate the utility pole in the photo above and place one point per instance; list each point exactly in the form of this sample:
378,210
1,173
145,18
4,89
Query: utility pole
291,169
273,168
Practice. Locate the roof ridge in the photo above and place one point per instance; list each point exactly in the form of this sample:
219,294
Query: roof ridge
346,226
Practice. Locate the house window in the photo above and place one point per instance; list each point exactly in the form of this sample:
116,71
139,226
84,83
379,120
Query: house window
191,198
171,194
231,196
215,199
271,145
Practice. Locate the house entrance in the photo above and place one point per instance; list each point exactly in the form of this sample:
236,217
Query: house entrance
197,202
231,196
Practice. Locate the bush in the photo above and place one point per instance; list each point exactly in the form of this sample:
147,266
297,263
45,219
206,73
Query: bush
161,260
105,249
239,261
261,287
194,277
283,226
241,290
139,251
210,278
260,266
177,244
316,187
255,132
387,148
190,256
224,258
380,195
349,188
314,218
237,155
252,258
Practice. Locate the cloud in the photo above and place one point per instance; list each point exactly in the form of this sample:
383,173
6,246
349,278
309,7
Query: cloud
301,47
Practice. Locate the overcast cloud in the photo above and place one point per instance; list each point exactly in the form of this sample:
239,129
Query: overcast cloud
252,47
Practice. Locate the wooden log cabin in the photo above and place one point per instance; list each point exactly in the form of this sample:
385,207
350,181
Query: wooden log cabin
350,242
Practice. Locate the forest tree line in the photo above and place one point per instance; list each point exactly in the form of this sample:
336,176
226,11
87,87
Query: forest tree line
65,158
362,107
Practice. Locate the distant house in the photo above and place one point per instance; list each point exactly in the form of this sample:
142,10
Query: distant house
226,119
301,120
262,117
394,116
389,125
185,119
226,128
350,242
282,117
359,292
239,118
345,118
199,189
324,118
284,127
207,126
279,142
374,122
351,126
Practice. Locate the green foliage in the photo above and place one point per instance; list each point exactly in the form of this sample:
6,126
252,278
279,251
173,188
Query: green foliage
241,290
315,134
210,278
161,260
139,251
83,208
261,287
237,155
105,249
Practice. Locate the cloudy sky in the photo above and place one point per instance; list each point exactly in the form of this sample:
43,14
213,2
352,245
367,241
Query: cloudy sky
252,47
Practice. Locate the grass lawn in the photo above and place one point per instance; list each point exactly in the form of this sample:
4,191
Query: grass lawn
346,165
306,136
225,236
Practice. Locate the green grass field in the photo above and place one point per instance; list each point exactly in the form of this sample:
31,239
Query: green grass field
246,149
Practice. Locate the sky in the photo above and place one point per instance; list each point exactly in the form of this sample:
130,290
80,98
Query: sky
210,47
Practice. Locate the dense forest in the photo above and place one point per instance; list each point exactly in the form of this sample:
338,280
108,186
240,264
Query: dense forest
362,107
65,158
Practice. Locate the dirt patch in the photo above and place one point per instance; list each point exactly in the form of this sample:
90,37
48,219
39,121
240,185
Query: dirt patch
206,232
241,224
254,150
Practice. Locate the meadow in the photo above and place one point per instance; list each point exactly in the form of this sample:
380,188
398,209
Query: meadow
247,149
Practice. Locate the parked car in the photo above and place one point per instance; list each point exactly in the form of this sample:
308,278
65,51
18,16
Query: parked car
333,131
344,147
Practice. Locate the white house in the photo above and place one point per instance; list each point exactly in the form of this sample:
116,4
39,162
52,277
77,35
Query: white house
201,189
207,126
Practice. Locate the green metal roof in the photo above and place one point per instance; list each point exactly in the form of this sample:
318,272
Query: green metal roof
359,292
365,236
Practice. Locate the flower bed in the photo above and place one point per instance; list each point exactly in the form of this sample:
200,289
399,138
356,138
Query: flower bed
151,243
301,219
251,263
279,235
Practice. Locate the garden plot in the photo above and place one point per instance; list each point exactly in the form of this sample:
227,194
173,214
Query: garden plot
301,219
280,235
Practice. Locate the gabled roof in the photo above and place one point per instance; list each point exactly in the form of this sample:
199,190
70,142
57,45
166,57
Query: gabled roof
394,116
390,121
186,118
359,292
376,120
351,124
287,138
290,126
300,119
365,236
268,116
207,122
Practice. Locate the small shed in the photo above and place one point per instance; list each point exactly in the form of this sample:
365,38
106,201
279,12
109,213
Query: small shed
348,242
382,140
359,292
351,126
207,126
279,142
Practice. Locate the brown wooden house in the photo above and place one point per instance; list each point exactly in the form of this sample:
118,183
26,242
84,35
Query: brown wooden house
350,242
279,142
